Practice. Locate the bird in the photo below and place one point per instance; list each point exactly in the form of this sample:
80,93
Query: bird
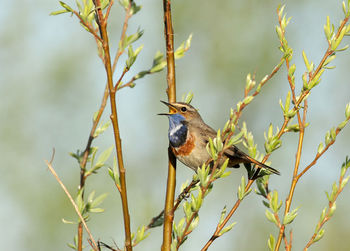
189,135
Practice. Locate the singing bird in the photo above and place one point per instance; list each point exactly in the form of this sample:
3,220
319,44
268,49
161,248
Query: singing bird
189,135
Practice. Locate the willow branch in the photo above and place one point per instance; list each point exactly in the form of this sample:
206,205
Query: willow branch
296,177
102,23
122,37
171,92
85,158
219,227
328,213
87,25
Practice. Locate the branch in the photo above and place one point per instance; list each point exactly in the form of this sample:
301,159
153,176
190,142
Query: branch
49,165
87,25
302,97
327,213
86,155
102,23
122,37
171,91
238,202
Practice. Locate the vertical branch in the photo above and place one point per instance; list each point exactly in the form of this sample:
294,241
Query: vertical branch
171,92
102,23
85,158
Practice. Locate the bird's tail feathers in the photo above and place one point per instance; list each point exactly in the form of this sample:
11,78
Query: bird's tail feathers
262,165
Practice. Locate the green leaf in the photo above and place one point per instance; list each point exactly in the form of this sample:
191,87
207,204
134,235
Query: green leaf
113,173
194,223
180,227
140,234
67,7
135,8
235,139
96,202
347,111
290,216
248,99
271,243
249,82
271,217
124,3
274,205
58,12
223,214
218,141
327,30
332,209
128,40
188,98
335,43
68,222
322,217
103,157
79,201
102,127
319,235
132,55
187,210
203,174
228,228
342,124
291,70
211,149
96,210
327,138
180,51
221,171
320,148
344,8
241,189
344,182
329,59
306,61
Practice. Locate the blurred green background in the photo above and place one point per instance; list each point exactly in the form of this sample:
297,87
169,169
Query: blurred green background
51,83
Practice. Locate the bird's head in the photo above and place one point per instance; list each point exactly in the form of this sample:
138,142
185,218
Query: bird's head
181,117
181,111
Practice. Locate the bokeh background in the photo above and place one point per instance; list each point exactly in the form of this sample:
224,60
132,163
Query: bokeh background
51,83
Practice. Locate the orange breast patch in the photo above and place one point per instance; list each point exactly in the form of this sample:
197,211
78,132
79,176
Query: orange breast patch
186,148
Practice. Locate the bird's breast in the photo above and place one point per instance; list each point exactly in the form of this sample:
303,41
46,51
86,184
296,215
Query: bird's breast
186,148
177,134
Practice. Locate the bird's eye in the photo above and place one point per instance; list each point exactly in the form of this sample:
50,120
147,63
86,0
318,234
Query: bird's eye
183,109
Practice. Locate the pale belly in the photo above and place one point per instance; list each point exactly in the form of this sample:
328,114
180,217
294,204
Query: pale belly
195,159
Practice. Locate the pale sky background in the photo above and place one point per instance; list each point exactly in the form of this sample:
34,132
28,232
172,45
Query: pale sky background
51,83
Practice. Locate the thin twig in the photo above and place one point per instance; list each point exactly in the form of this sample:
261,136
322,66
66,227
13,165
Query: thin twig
49,165
87,25
122,37
102,22
318,155
238,202
111,2
86,155
327,216
297,176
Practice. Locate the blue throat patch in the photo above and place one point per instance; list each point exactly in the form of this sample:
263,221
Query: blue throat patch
177,130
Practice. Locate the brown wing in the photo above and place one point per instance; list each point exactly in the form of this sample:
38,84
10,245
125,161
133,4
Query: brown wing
236,156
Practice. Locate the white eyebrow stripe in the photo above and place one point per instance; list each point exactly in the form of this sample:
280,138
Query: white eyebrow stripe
175,129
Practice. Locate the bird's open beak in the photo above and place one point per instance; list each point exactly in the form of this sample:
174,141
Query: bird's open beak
171,107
